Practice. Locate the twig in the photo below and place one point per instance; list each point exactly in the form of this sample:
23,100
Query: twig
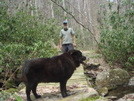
5,82
80,13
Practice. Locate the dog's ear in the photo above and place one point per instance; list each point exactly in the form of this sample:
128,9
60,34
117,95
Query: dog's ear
74,52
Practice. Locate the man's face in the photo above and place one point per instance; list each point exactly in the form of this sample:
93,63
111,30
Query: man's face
65,25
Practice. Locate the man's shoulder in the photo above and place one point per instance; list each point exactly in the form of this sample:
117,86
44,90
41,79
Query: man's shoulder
70,28
62,30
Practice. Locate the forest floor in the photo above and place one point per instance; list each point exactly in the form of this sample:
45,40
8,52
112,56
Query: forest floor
77,86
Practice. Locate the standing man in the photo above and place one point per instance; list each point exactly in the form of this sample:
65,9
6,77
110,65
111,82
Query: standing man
67,38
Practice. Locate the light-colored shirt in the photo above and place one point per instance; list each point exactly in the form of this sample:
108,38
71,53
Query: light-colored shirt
67,36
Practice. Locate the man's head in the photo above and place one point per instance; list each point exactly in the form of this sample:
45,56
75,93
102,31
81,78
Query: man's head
65,24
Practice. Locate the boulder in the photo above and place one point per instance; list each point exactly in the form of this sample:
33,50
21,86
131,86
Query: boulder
103,91
128,97
112,78
131,81
91,71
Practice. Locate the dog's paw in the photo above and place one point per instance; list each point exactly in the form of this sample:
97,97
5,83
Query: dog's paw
38,96
29,100
65,95
68,95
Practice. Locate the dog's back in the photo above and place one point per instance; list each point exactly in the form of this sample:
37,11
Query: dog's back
48,69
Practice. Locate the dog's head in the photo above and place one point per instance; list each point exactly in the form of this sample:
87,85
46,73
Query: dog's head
77,57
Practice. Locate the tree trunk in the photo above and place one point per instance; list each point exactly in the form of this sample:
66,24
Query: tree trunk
52,11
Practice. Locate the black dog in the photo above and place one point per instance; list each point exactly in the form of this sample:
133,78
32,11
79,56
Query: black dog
56,69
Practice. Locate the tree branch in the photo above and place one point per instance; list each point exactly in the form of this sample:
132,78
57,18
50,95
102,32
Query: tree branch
54,1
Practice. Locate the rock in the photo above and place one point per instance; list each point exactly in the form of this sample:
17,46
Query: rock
112,98
91,71
79,96
103,91
131,81
111,78
128,97
91,66
101,100
132,72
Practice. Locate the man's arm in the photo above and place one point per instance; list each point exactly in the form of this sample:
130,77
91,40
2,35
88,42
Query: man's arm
74,40
60,43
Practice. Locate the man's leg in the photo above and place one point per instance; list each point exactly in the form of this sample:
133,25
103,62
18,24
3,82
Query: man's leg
64,48
70,47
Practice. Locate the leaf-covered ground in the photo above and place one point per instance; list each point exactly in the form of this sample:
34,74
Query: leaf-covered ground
76,85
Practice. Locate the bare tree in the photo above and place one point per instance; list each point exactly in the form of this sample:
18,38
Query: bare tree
52,10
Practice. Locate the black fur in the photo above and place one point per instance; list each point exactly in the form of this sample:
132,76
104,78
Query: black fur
56,69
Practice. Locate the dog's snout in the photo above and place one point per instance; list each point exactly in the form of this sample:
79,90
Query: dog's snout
83,58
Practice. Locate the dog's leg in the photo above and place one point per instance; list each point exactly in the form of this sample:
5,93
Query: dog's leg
34,90
63,88
28,90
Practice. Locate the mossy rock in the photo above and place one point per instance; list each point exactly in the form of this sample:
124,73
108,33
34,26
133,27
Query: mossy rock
112,78
94,98
103,91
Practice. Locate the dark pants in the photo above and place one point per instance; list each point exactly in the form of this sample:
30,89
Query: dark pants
67,47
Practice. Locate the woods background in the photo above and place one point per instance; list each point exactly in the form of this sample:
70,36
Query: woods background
30,29
88,12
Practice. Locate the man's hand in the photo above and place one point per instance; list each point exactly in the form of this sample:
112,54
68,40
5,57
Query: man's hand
74,44
61,47
60,43
74,40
